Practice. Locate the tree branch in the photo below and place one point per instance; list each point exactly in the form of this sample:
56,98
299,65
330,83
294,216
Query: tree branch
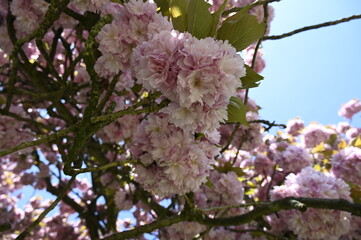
261,210
289,203
89,59
269,124
161,223
105,120
326,24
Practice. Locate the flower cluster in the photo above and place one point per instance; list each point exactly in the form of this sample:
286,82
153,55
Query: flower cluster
294,127
289,157
172,161
224,189
91,5
28,15
197,75
350,108
315,134
316,224
347,165
133,23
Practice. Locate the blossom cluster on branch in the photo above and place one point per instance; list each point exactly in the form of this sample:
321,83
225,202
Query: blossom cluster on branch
150,100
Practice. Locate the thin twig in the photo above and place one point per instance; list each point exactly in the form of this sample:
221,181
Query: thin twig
146,228
236,128
265,17
46,211
269,124
257,3
232,206
105,119
326,24
100,168
49,138
108,94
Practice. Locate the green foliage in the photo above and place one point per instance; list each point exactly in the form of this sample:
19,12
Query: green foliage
199,136
5,227
237,111
163,6
228,167
355,193
241,30
217,16
251,80
2,101
192,16
209,183
178,11
200,20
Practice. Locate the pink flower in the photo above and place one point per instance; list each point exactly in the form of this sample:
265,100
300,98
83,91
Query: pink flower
350,108
172,161
294,127
347,165
314,134
314,223
131,26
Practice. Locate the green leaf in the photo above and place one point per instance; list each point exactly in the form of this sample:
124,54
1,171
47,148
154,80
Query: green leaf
200,20
137,88
178,11
241,30
117,1
209,183
5,227
216,16
2,101
238,171
355,193
237,111
251,80
199,136
163,6
228,167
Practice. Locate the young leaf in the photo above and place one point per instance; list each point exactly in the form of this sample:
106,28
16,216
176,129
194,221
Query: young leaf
209,183
251,80
199,136
237,111
117,1
216,16
241,30
200,20
355,193
5,227
178,11
163,5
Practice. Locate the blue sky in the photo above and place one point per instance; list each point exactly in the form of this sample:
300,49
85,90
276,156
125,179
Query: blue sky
310,74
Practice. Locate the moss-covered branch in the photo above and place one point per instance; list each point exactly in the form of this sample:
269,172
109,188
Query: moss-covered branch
289,203
104,120
260,210
89,59
146,228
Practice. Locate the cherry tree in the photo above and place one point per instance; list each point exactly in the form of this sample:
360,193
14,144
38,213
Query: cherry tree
149,100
